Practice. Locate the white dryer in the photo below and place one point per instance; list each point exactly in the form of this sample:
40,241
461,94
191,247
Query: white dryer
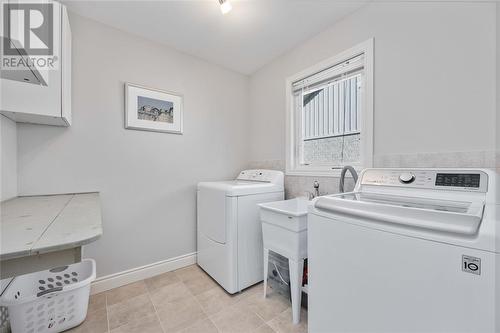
407,251
229,232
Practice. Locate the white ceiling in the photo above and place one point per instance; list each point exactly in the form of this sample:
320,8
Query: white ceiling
251,35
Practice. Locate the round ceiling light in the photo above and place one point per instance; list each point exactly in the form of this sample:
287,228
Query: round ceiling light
225,6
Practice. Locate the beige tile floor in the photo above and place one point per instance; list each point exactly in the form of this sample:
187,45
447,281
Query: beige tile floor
188,300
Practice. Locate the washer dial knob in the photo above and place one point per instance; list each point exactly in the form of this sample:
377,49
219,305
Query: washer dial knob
406,178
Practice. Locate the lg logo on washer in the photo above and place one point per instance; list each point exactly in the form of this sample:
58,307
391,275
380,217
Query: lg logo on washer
471,264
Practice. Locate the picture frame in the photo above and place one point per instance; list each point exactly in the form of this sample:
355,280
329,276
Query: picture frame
150,109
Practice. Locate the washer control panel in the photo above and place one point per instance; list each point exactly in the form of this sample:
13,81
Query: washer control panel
472,180
260,175
466,180
407,177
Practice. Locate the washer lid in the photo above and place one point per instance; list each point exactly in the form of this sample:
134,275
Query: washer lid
234,188
458,217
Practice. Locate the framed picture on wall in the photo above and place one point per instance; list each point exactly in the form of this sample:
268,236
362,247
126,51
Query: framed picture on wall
150,109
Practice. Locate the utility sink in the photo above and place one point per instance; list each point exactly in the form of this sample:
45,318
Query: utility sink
284,231
289,214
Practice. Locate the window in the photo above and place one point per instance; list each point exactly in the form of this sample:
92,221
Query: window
330,114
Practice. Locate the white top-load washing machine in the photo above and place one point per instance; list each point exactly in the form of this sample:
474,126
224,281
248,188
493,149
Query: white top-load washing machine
229,233
407,251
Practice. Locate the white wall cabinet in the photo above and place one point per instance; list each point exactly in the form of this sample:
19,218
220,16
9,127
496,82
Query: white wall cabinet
48,100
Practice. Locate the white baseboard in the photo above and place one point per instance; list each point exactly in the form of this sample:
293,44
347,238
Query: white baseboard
140,273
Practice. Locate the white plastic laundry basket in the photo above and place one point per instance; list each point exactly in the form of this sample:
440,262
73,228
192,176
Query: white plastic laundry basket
49,301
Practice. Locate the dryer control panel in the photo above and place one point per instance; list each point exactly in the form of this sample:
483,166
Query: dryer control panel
448,179
261,175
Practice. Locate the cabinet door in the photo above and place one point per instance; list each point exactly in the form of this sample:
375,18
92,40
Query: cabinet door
25,102
66,67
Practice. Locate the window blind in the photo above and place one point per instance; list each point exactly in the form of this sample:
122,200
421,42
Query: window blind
330,111
348,67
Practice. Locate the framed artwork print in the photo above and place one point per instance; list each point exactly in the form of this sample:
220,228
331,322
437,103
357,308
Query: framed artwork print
150,109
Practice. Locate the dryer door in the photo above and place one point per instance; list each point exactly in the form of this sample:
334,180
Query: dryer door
212,213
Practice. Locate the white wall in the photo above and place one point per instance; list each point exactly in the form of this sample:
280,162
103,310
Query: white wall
498,90
8,155
434,83
147,180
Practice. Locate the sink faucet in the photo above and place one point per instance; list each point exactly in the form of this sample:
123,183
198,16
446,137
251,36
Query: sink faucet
316,188
354,175
315,193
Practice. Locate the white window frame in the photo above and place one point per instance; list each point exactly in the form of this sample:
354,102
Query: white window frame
293,167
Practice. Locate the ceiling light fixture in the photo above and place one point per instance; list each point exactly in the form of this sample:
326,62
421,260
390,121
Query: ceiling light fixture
225,6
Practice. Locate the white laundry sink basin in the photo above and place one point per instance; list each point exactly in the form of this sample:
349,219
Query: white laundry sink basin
284,227
294,207
288,214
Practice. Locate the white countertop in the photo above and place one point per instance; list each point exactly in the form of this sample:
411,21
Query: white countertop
39,224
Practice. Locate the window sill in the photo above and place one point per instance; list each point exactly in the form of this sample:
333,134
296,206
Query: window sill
321,173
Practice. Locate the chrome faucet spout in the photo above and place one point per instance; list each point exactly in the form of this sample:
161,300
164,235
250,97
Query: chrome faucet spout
354,175
316,188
